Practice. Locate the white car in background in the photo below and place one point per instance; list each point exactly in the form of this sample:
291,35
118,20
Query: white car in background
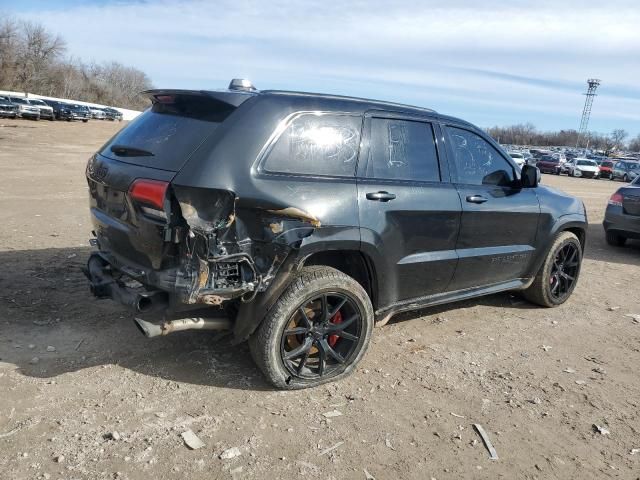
97,113
518,158
583,167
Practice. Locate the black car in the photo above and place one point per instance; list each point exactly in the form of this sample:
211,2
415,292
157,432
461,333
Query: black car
57,107
112,114
310,217
7,109
76,112
622,217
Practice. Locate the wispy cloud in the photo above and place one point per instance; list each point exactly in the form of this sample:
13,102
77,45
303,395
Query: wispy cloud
493,62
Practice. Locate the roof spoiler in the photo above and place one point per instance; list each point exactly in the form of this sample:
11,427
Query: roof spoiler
231,98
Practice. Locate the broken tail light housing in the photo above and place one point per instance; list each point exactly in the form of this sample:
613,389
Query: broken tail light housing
616,199
150,195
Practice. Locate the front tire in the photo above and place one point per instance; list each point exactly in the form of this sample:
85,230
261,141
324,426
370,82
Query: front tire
625,178
558,275
316,332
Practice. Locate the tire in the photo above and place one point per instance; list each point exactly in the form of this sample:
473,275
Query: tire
85,121
625,178
269,343
615,239
541,290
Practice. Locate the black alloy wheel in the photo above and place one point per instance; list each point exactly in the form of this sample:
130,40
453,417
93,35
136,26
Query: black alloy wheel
564,271
321,336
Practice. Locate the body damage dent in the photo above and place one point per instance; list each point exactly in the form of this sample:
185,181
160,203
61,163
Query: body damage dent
229,251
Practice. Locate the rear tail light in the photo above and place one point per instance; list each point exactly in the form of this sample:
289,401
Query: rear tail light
150,195
616,199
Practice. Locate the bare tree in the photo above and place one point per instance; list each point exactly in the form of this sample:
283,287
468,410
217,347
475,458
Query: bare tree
634,144
9,42
38,49
617,138
31,60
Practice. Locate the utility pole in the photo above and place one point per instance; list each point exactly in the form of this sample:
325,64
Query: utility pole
586,112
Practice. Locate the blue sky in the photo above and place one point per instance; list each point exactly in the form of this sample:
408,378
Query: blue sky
490,62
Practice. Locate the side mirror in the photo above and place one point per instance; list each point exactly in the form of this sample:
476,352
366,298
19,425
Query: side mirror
530,176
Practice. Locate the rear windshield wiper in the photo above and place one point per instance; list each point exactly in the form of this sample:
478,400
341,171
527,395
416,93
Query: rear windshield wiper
124,151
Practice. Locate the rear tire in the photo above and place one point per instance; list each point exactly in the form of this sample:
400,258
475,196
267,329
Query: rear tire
614,239
541,290
625,178
270,344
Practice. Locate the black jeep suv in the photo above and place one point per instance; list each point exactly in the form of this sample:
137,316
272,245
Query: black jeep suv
308,218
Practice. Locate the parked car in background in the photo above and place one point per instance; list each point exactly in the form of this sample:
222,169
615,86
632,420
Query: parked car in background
70,112
548,164
57,106
435,211
518,158
625,171
606,168
564,167
97,113
45,110
7,109
622,216
112,114
582,167
25,109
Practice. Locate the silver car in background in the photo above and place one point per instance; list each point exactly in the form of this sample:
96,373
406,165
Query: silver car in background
45,110
97,113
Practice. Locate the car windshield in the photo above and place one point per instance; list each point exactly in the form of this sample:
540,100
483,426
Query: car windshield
633,166
516,155
19,100
587,163
549,158
37,102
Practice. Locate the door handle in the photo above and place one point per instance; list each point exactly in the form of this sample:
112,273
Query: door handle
476,199
380,196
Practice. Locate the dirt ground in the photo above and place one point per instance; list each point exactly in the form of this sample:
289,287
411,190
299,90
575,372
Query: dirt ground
83,395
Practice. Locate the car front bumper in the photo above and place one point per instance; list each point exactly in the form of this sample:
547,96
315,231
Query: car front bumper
29,114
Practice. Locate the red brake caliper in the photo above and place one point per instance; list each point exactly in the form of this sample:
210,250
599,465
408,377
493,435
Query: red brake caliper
337,318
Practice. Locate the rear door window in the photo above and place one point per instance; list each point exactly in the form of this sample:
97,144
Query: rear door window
317,144
402,150
165,135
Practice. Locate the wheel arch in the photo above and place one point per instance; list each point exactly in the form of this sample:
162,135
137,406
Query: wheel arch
355,263
574,223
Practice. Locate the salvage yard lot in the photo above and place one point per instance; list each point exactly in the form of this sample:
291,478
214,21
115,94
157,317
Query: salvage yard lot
74,370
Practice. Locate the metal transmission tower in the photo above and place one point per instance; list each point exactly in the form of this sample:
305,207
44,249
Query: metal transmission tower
586,112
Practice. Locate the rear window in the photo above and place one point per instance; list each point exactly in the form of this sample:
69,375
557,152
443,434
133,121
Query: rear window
317,145
165,135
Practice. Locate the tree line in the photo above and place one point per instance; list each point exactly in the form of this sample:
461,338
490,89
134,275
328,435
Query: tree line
527,134
33,60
